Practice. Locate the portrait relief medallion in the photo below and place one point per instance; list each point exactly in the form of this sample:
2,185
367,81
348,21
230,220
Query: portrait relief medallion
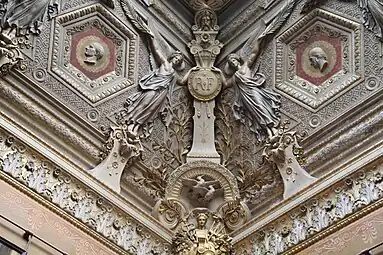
93,54
204,84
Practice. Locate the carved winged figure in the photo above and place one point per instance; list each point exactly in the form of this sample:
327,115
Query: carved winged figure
254,103
154,89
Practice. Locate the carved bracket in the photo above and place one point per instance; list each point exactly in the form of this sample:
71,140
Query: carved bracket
282,150
122,148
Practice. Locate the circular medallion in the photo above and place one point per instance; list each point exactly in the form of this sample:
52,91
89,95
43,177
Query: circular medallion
204,84
93,54
319,59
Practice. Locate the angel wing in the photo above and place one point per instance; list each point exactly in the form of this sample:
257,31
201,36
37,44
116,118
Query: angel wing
133,16
189,182
162,45
247,48
371,16
280,19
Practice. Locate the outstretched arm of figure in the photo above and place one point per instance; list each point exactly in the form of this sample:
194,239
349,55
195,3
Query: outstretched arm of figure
156,51
225,82
184,79
255,52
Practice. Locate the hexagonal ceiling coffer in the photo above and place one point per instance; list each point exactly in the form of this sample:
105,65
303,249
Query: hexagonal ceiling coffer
94,52
318,58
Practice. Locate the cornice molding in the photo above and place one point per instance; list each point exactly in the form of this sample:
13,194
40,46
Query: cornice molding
319,212
34,111
78,194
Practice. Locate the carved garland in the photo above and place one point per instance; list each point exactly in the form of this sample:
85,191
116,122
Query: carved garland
46,179
326,209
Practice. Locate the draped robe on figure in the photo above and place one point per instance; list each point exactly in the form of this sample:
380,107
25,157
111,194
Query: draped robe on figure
25,14
255,104
154,92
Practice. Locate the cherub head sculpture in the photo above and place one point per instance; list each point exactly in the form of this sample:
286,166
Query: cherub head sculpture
318,58
93,52
176,59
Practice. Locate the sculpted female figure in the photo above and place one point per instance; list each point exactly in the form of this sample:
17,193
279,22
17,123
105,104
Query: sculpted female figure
154,88
203,244
253,102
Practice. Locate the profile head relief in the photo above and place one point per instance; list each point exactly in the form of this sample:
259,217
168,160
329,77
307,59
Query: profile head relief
177,60
93,52
318,58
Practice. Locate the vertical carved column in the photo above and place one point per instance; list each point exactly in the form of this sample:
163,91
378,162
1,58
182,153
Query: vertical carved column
204,84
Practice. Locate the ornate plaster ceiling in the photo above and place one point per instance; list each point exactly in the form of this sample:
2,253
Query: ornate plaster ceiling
70,82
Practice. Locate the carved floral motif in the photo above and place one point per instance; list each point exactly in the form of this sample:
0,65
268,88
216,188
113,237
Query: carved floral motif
51,182
326,209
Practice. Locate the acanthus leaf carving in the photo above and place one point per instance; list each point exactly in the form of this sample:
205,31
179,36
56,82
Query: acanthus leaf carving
76,199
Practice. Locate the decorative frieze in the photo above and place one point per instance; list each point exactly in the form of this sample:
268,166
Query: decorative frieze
326,209
56,186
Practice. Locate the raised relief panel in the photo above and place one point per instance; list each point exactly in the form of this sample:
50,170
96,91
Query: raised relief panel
94,52
318,58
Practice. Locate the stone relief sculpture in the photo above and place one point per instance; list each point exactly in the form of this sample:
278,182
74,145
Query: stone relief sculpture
197,239
255,104
318,58
154,92
154,89
201,190
204,84
372,16
26,16
141,108
93,52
